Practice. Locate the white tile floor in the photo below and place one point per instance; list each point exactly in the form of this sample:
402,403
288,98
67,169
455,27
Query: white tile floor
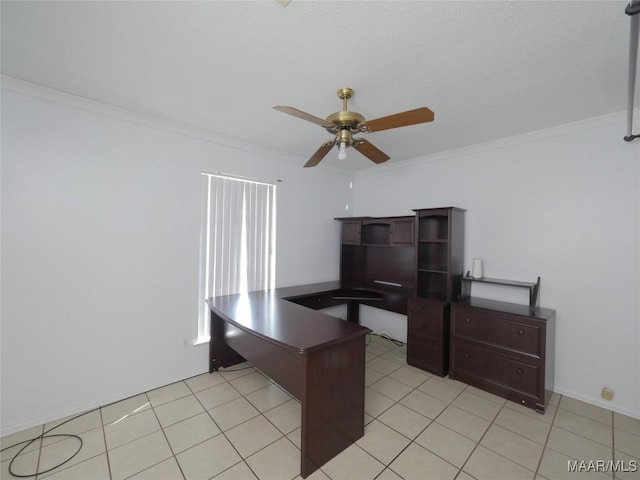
237,424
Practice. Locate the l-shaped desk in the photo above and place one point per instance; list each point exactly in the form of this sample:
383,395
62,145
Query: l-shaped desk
318,359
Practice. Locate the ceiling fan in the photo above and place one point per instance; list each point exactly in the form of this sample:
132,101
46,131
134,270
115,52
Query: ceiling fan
344,124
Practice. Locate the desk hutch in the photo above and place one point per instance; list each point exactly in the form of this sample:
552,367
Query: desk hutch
414,265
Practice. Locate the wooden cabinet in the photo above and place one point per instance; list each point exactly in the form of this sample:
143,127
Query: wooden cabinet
439,266
402,231
388,231
428,335
504,348
351,232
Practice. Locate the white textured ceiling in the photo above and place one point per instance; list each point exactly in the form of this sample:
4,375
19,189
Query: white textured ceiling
488,69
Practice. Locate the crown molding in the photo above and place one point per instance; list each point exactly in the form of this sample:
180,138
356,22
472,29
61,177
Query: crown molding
530,137
47,94
51,95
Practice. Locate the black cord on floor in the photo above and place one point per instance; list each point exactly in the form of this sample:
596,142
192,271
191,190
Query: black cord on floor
386,337
223,370
42,436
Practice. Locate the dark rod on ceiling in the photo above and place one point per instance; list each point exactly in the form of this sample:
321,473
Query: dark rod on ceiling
633,10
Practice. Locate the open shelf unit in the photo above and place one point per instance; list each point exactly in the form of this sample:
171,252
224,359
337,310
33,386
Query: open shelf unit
533,287
440,243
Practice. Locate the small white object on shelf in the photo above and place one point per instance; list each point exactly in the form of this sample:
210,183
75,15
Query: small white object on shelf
476,271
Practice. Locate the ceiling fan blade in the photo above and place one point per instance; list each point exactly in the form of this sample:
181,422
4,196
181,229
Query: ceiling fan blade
403,119
304,116
370,151
320,154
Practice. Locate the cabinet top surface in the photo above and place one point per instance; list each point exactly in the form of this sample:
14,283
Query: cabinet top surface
395,217
505,307
439,208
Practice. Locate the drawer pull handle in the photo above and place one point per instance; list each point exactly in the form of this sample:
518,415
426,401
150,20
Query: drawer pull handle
468,320
522,402
520,371
467,355
521,332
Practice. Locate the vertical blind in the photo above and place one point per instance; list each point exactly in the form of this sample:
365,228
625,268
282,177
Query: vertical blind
238,239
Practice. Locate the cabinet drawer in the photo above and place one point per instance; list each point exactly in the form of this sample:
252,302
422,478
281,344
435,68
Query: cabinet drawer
426,318
427,356
484,363
426,326
425,306
497,329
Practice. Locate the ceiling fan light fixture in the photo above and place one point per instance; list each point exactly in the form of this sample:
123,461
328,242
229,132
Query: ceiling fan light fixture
343,139
342,151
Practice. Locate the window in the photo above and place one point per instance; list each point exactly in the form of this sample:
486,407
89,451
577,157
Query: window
237,245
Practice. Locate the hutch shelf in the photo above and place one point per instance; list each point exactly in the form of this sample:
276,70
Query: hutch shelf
533,287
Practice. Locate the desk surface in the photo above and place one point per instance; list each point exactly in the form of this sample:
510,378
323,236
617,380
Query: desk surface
270,316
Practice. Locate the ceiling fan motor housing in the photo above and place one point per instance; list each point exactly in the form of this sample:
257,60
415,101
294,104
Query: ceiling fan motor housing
344,121
345,118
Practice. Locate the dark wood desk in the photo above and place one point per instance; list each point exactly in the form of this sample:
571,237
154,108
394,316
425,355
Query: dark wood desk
317,358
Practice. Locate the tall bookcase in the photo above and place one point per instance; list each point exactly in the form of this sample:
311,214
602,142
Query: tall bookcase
439,267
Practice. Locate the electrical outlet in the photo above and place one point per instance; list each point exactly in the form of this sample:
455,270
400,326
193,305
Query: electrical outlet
607,393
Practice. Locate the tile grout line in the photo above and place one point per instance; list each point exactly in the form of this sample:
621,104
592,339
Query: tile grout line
173,453
503,406
431,421
159,423
613,443
421,431
104,439
449,403
529,418
37,472
283,435
584,416
544,448
580,434
147,435
222,432
260,413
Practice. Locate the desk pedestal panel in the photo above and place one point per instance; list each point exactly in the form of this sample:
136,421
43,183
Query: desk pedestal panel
333,401
328,381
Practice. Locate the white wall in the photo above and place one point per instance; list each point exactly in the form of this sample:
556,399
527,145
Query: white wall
562,204
100,239
100,248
